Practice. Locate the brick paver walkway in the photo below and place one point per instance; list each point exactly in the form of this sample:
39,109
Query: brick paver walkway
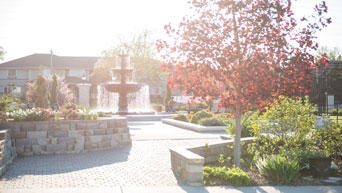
146,163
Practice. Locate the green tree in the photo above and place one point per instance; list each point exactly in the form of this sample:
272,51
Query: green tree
41,92
54,89
2,53
333,54
140,47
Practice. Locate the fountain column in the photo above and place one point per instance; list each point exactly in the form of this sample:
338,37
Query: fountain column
123,104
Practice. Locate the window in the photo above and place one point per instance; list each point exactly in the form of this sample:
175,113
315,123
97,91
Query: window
12,74
46,72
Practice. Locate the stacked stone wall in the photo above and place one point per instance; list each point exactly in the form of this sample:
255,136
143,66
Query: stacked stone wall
64,137
7,151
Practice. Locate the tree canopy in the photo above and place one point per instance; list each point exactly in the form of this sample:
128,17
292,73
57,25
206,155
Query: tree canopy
245,53
140,46
2,53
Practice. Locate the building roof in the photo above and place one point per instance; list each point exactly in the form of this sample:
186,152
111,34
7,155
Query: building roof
62,62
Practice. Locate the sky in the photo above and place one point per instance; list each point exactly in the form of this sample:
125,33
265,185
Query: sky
88,27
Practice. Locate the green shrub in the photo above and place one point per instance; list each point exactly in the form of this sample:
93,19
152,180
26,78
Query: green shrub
329,139
279,168
285,126
211,121
6,103
87,115
200,115
235,176
335,113
246,128
180,117
103,114
74,107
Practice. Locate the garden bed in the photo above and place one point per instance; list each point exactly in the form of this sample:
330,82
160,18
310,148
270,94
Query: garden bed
256,179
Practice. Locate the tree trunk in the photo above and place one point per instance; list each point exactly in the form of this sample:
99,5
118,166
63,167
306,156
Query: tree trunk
237,145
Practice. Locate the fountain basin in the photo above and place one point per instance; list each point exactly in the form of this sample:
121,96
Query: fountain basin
122,88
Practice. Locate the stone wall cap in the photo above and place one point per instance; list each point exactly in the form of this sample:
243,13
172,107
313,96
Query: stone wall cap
188,155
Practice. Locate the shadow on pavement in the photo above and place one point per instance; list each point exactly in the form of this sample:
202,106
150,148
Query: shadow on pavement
58,164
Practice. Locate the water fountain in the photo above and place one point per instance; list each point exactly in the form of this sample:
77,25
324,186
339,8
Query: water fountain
123,93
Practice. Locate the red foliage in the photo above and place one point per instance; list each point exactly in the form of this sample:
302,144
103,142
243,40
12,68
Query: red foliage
245,53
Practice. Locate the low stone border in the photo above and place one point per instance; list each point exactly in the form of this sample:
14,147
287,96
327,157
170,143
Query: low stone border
193,127
187,163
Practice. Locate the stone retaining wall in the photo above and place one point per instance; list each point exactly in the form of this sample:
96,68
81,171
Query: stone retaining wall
187,163
7,151
63,137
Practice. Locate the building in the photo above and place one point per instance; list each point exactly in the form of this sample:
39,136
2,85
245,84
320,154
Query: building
75,70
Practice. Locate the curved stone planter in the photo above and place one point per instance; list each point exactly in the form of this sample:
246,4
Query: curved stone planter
64,137
194,127
187,162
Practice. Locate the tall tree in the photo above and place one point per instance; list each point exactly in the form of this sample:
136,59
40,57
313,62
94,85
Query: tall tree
41,92
54,90
141,47
245,53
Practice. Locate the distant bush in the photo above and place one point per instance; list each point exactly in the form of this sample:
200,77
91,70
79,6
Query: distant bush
200,115
180,117
335,113
211,121
74,107
103,114
235,176
88,115
70,114
279,168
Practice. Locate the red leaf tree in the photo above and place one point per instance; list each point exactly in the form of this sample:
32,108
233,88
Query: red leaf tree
245,53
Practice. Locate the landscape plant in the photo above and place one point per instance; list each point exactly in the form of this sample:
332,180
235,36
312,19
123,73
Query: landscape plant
211,121
279,168
180,117
285,126
41,95
200,115
243,53
235,176
64,96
